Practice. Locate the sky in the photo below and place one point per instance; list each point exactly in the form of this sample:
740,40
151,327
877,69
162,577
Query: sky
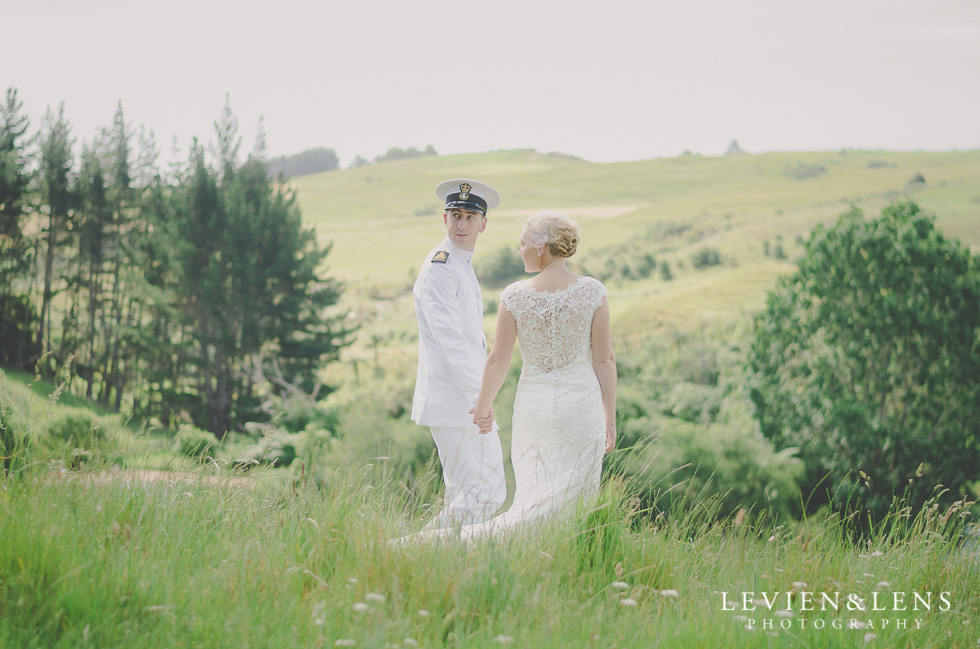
606,80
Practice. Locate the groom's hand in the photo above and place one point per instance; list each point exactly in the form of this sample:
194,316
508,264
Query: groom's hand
484,423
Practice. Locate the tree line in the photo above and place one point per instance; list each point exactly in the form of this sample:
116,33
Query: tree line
170,293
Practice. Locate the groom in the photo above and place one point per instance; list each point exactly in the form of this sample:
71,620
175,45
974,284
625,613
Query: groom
452,354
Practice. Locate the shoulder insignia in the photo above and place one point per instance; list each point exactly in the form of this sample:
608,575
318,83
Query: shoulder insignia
440,257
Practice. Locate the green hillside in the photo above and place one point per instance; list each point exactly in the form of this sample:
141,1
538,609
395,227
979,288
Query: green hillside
382,219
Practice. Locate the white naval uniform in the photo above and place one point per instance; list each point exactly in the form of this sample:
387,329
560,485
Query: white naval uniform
452,355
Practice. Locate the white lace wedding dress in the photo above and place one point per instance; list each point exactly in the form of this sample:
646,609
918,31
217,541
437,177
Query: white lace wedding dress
558,435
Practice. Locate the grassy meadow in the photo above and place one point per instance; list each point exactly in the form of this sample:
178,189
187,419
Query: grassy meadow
98,555
114,534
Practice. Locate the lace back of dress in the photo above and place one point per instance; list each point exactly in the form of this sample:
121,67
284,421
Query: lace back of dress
554,329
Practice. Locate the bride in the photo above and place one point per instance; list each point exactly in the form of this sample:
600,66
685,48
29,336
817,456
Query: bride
564,411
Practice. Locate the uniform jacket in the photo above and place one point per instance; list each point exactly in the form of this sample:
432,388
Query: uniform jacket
452,346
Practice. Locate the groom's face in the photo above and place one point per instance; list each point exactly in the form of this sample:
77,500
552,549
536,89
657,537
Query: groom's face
464,226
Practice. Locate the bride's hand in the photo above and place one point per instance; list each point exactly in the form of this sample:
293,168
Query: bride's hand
610,436
484,422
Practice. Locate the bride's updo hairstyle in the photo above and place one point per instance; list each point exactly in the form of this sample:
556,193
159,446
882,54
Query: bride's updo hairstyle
554,230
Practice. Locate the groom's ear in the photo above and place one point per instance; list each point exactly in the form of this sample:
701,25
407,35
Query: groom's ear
484,226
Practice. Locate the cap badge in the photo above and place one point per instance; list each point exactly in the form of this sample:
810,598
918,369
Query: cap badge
464,191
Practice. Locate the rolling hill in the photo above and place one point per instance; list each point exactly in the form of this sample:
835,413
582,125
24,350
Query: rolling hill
382,219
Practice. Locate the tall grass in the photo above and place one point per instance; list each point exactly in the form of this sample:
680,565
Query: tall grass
201,559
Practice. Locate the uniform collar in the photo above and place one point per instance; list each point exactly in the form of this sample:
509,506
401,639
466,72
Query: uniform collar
465,255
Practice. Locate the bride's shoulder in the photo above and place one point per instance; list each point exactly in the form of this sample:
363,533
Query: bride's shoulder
592,283
511,292
593,290
513,287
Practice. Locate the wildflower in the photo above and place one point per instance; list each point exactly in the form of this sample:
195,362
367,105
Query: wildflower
740,618
375,598
351,580
629,601
669,593
620,585
785,614
344,642
867,574
799,584
424,613
503,639
749,627
868,637
877,553
409,642
856,624
360,607
883,584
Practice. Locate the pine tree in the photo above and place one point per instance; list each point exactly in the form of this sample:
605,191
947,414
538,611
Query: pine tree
57,194
251,292
16,319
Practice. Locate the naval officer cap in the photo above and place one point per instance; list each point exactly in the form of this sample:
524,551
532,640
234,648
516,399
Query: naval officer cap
466,194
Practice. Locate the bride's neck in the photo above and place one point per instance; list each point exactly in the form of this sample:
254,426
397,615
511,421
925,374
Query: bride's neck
553,266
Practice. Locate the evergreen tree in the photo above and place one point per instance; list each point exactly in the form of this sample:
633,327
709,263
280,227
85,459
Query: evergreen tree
122,273
16,320
94,220
251,291
57,194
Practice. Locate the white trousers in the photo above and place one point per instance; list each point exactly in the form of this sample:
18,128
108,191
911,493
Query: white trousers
473,469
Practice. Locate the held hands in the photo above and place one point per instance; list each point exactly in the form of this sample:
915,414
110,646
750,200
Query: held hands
483,420
610,436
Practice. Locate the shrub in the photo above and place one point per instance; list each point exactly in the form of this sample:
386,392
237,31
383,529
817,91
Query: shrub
14,444
77,427
706,257
694,402
676,463
297,414
194,443
500,268
867,359
801,171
